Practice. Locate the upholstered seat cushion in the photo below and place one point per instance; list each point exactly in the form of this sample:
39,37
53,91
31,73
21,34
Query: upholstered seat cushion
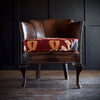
50,44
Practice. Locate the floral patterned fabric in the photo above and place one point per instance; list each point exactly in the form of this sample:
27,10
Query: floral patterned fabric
50,44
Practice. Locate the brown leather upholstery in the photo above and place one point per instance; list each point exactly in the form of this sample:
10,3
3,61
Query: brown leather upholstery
51,27
63,26
38,28
27,30
74,30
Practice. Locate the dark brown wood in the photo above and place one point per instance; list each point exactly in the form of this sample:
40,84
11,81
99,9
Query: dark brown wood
23,71
78,67
65,66
38,71
50,57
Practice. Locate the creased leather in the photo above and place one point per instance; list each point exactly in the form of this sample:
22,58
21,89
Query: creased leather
51,27
27,30
39,29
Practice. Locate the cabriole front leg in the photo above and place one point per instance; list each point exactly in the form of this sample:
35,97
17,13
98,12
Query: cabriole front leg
23,71
78,70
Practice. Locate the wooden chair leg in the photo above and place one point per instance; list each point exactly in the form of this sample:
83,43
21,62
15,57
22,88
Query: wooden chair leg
65,66
23,71
38,71
78,70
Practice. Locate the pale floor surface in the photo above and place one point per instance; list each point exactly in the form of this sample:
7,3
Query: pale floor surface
51,86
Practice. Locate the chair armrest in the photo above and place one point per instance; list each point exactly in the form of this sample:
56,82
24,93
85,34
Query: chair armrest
74,30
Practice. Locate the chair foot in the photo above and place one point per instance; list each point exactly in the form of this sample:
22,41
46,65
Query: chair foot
23,71
65,66
78,70
23,85
38,72
79,86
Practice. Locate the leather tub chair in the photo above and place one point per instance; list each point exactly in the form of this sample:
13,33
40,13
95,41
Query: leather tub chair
50,29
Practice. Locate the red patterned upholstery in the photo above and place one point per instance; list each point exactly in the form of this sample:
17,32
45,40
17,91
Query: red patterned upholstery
51,44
